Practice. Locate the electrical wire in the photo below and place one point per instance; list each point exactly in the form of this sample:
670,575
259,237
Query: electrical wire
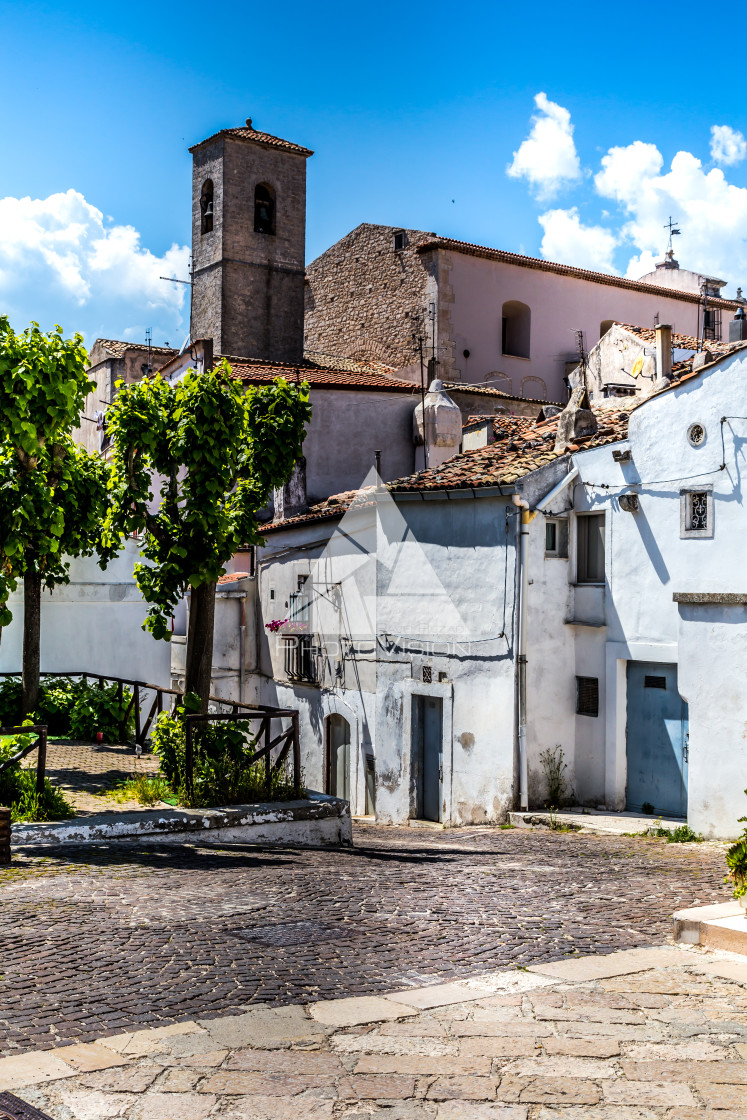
663,481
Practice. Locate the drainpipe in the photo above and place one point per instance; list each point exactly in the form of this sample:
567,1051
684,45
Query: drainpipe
526,517
242,639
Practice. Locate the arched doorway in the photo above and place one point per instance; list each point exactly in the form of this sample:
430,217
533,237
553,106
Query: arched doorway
337,769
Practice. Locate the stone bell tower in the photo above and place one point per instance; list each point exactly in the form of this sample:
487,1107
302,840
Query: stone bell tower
248,244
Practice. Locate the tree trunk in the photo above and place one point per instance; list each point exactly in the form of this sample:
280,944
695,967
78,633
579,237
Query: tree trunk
31,641
200,642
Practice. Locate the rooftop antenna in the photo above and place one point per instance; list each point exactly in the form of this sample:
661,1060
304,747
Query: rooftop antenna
149,343
582,356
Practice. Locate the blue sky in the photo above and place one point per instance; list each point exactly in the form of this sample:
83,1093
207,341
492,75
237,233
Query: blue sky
415,114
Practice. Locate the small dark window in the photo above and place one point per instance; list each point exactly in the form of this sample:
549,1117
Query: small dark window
655,682
590,548
264,209
551,536
206,207
427,674
712,323
400,241
587,696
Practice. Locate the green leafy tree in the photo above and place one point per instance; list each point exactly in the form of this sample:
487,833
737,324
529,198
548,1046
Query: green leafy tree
214,453
53,494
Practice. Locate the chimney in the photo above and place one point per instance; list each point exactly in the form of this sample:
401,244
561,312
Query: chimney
663,351
575,421
290,500
738,326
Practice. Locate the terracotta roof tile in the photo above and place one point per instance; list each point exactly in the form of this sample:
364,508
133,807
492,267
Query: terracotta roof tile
345,374
231,577
486,390
525,446
263,138
566,270
679,341
117,348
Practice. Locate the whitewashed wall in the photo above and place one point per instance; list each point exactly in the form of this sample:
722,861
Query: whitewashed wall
92,624
646,563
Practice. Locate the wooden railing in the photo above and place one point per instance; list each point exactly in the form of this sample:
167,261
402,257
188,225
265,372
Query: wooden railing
282,743
138,703
40,730
265,714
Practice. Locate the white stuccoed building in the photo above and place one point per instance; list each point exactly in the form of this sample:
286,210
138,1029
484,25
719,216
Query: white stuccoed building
655,626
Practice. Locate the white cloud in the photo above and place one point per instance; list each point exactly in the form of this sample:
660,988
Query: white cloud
547,159
728,146
711,212
60,261
568,241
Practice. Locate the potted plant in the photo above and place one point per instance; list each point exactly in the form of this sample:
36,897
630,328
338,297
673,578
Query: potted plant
736,861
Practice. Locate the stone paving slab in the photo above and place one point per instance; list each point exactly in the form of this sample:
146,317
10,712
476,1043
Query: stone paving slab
329,1060
106,940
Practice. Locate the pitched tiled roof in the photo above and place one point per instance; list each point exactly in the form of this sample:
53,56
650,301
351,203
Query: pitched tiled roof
679,341
504,427
263,138
355,375
566,270
117,349
525,446
488,391
231,577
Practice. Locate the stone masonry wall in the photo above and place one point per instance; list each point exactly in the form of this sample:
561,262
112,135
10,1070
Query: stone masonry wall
248,287
363,300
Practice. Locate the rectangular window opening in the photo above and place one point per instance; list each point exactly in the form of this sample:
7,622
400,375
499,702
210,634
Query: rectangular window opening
590,548
427,674
587,696
655,682
556,537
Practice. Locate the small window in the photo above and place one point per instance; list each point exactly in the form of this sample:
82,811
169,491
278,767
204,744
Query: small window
655,682
590,548
696,512
516,323
264,209
587,696
206,207
556,537
696,435
400,240
712,323
427,674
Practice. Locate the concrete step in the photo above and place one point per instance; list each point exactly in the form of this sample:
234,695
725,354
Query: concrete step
591,821
721,926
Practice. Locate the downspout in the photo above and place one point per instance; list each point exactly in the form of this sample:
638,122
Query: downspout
242,640
526,517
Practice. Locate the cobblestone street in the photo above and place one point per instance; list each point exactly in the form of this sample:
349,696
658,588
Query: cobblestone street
101,940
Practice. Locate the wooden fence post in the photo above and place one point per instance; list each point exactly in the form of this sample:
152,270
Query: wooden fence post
4,835
296,755
41,760
268,758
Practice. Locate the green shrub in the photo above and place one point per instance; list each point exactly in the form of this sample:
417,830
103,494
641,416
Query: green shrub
736,861
145,788
74,709
554,766
221,774
18,788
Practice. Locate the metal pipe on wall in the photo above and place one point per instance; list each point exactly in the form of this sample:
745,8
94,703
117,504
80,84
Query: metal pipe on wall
526,517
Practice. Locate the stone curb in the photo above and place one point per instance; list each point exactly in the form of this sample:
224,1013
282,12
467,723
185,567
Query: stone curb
325,1016
315,821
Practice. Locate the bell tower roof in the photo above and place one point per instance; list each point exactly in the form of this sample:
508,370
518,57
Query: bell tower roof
249,133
